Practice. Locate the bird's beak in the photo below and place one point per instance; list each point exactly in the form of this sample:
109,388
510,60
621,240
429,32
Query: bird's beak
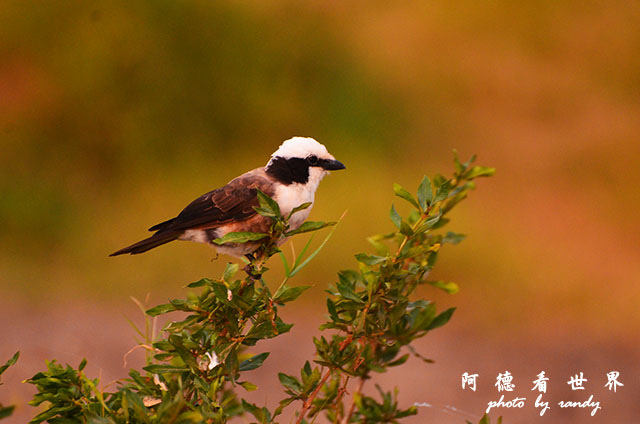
331,164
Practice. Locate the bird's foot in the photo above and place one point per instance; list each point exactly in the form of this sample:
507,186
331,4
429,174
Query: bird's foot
253,273
255,268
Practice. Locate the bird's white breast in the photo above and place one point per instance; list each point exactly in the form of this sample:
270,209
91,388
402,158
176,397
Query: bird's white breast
292,195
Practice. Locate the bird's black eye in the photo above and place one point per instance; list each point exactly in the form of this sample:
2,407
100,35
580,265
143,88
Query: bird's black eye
312,160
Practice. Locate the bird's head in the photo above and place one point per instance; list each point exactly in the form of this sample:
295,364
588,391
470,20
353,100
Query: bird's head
301,160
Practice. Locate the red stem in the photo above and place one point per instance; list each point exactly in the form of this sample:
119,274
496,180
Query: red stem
307,403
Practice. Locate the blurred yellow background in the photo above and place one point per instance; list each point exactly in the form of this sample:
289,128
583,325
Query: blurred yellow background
115,115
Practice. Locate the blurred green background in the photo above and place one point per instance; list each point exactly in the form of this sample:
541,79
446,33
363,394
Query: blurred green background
115,115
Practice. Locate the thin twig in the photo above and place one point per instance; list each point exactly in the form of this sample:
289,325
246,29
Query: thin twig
307,403
352,408
338,403
414,227
140,346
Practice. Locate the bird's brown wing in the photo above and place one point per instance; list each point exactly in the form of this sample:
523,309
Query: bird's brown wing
231,203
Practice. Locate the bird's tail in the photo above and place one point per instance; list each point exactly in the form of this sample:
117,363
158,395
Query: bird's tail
162,225
147,244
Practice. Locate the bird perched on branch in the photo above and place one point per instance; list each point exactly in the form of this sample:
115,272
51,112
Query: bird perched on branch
291,178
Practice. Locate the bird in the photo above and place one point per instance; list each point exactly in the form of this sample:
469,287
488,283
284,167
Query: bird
290,177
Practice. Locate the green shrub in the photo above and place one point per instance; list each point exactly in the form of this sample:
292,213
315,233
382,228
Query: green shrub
194,371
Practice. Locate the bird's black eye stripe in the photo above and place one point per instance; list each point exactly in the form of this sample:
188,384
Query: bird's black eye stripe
312,160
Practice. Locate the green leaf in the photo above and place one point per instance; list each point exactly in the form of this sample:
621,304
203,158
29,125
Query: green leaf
441,222
248,386
183,304
422,315
282,327
453,238
306,369
141,412
187,417
432,258
285,264
160,309
368,259
441,319
239,237
10,362
229,271
300,265
331,308
163,369
485,420
395,217
437,180
164,356
309,226
381,248
299,208
404,194
461,167
221,292
6,411
298,259
443,191
425,193
185,354
347,292
290,383
283,404
199,283
431,222
287,294
479,171
406,229
262,414
456,161
268,204
44,416
253,362
252,409
265,212
401,360
310,379
453,201
449,287
263,330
